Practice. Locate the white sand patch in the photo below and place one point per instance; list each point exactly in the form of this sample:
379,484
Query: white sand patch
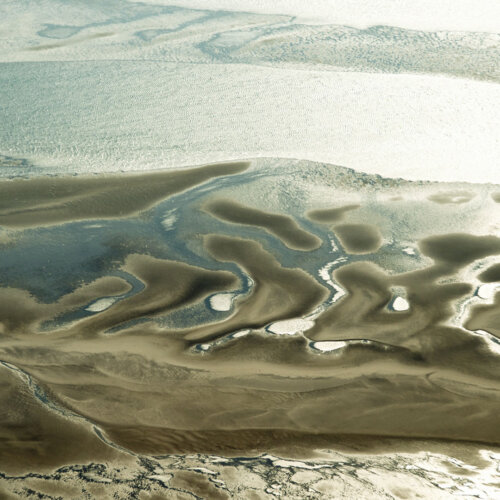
101,304
169,221
409,251
216,343
295,464
334,246
221,301
328,345
400,304
325,275
164,478
488,290
492,342
239,334
290,326
203,469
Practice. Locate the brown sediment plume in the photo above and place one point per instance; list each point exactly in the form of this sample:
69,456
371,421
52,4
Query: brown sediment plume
328,215
359,238
277,292
454,197
55,200
490,275
282,226
34,438
168,285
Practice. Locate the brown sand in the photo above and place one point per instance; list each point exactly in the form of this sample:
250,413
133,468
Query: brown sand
278,292
457,250
328,215
55,200
455,197
143,383
486,317
169,286
35,438
359,238
490,275
21,313
412,373
281,226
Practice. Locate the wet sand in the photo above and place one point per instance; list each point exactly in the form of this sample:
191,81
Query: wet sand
168,286
65,43
327,215
282,226
277,292
363,313
456,197
358,238
158,372
490,275
54,200
34,438
22,314
486,317
457,250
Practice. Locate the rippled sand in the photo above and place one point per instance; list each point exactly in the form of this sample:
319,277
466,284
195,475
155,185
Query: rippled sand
112,352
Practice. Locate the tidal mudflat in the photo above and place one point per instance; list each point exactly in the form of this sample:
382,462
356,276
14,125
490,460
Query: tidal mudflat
249,249
119,375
